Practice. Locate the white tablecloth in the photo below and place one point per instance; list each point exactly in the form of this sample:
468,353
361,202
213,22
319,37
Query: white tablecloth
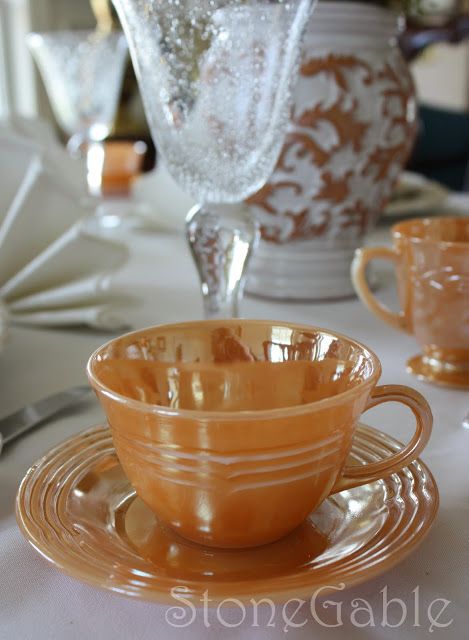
37,601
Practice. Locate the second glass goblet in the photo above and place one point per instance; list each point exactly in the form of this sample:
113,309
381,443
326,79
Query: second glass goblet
216,79
83,73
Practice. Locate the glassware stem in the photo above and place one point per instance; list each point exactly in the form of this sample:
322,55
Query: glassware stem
222,240
92,152
94,168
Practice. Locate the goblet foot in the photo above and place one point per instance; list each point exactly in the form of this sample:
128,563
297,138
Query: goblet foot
222,239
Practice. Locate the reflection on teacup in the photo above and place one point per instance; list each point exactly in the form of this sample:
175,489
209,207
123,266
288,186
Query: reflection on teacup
431,257
233,431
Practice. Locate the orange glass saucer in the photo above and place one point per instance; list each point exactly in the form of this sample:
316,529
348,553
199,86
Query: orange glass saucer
77,508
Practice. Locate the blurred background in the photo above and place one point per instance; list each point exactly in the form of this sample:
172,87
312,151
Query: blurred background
435,42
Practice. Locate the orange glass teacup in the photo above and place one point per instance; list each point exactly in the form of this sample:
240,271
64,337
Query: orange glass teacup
431,256
233,431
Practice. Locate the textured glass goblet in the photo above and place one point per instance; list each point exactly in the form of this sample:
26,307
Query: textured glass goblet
216,77
83,73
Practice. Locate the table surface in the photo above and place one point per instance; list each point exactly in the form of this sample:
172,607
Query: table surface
36,600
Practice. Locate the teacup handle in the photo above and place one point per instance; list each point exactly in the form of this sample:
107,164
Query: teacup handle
360,262
355,476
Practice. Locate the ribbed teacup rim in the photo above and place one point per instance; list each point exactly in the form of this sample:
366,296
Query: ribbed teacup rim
246,415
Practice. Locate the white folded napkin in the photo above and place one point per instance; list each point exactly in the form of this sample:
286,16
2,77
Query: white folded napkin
458,203
28,138
53,270
69,282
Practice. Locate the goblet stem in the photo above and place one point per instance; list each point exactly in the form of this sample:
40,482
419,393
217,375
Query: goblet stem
222,240
94,168
92,152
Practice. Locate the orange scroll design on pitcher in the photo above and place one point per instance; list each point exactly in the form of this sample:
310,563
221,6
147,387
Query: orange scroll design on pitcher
351,132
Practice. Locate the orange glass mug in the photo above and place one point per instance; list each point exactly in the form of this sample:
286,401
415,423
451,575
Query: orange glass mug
233,431
431,257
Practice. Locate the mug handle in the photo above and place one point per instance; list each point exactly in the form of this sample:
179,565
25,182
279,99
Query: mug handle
355,476
358,272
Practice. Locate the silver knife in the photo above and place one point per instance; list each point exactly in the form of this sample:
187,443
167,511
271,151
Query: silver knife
14,425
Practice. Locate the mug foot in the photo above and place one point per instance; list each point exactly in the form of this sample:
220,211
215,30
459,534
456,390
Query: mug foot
438,372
